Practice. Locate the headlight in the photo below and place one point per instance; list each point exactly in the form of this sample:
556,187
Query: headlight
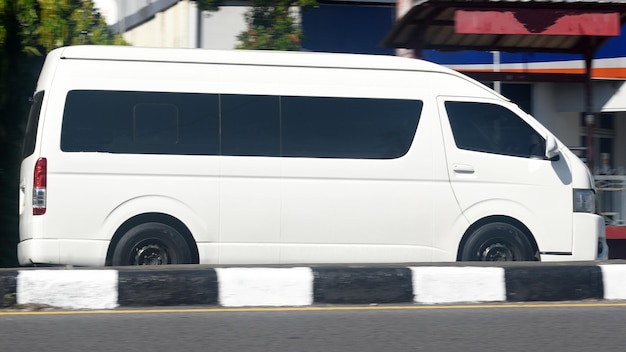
584,201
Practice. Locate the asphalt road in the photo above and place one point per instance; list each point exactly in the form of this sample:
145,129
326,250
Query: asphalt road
553,327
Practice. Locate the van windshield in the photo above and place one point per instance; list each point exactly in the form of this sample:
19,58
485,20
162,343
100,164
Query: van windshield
30,135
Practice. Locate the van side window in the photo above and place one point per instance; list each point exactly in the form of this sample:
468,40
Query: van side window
250,125
492,128
348,127
30,135
140,122
238,125
155,124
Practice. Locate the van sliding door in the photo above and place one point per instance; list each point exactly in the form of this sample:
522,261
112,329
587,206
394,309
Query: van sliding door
353,188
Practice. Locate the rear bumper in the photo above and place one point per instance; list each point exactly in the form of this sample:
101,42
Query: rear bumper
38,251
55,252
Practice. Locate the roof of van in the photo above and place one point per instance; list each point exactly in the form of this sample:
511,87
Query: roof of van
255,57
248,57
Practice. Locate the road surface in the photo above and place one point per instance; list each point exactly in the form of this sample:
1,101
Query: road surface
568,327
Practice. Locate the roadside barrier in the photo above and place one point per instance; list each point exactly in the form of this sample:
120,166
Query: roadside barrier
196,285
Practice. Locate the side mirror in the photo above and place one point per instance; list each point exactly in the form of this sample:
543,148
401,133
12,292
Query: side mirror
552,147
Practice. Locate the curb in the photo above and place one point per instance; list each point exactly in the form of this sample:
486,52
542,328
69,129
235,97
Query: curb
106,288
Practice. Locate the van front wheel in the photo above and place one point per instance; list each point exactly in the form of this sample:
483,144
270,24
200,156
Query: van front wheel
497,241
151,244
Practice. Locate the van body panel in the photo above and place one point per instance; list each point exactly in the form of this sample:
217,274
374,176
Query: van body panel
30,227
38,250
250,205
151,184
490,183
350,213
83,252
247,192
583,244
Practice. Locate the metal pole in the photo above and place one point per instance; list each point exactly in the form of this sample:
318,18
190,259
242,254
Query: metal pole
589,115
402,7
496,68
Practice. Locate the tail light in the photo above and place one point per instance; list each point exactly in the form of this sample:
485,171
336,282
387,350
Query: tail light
40,181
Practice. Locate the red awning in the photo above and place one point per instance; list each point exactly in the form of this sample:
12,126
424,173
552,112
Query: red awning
537,22
574,27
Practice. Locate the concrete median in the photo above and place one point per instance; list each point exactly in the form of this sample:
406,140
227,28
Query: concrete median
191,285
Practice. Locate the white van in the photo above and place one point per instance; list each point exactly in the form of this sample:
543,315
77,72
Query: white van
139,156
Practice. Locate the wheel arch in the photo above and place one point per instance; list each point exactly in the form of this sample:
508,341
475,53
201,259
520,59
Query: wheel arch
498,218
154,217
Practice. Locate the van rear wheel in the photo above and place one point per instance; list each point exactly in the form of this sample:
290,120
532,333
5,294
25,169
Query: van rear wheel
151,244
497,241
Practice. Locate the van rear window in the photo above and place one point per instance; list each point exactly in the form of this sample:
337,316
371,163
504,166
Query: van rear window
30,135
140,122
238,125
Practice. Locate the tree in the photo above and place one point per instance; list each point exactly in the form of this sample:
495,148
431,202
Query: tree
272,24
29,29
209,5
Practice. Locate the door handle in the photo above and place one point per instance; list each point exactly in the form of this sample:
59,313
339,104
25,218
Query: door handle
463,169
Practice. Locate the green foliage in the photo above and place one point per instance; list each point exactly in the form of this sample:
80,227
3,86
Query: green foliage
8,300
2,29
272,25
91,27
29,29
49,24
209,5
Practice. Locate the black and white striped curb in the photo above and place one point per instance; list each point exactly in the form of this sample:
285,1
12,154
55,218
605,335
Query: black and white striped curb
305,286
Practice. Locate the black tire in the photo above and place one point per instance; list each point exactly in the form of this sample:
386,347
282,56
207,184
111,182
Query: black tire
151,243
497,241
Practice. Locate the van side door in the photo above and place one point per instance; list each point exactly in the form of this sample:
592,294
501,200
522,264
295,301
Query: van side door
497,167
250,179
358,180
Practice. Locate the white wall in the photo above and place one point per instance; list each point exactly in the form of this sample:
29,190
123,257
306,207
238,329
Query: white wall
219,30
564,125
171,23
608,96
166,29
559,106
619,148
